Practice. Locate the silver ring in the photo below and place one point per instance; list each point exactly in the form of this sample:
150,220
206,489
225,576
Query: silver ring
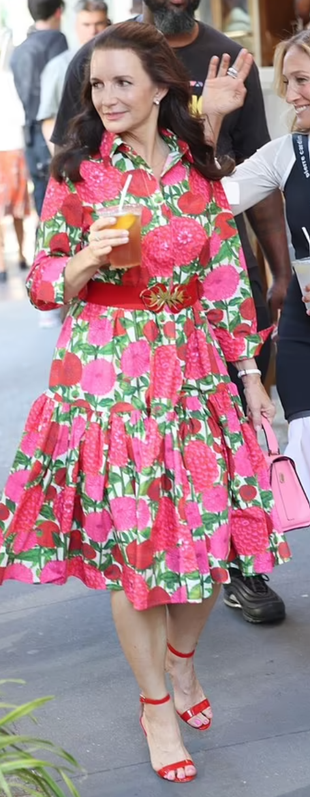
97,237
232,72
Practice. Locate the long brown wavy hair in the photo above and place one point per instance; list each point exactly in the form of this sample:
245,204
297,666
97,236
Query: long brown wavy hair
164,69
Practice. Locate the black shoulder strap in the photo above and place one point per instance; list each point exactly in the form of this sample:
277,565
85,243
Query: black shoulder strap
301,148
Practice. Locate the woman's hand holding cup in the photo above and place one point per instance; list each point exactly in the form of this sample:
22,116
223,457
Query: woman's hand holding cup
83,266
102,239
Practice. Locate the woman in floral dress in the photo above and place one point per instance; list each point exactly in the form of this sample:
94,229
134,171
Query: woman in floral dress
137,471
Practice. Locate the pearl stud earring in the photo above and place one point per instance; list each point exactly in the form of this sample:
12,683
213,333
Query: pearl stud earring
156,102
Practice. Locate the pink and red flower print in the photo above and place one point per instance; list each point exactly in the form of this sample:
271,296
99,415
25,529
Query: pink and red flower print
166,373
142,184
135,359
202,464
221,283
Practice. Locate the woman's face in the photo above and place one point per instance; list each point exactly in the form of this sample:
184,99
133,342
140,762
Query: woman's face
122,92
296,77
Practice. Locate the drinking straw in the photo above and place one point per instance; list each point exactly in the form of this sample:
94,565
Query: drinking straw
124,192
307,236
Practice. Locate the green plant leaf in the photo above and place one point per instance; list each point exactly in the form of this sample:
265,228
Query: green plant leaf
22,711
13,739
22,772
23,763
33,744
32,779
73,790
4,786
8,705
11,681
56,791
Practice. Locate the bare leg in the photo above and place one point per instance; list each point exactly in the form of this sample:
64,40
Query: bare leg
19,231
185,624
143,639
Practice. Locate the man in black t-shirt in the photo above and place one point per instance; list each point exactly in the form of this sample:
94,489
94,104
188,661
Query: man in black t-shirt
243,132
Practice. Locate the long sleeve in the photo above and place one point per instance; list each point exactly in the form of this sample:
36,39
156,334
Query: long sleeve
227,296
50,94
59,237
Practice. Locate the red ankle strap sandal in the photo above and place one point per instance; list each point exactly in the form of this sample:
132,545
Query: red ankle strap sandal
202,707
179,654
164,771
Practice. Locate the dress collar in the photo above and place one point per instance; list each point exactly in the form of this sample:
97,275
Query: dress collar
112,144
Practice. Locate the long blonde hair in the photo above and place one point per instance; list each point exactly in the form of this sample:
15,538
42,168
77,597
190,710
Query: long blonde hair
300,40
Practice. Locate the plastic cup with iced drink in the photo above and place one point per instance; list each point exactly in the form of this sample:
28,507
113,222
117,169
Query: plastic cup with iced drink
302,271
127,218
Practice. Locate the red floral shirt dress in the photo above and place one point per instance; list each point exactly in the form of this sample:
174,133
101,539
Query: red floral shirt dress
137,469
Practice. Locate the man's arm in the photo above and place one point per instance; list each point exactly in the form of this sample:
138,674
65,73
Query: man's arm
52,80
268,223
47,128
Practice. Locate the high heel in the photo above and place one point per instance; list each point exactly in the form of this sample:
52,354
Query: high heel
164,771
198,708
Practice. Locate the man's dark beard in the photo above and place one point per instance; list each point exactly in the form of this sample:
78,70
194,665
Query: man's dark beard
171,22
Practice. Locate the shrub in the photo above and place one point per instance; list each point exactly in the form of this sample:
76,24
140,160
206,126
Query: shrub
23,771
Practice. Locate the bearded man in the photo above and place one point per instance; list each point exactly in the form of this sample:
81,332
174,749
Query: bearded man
243,132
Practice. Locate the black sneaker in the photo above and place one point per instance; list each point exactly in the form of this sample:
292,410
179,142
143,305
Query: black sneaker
252,594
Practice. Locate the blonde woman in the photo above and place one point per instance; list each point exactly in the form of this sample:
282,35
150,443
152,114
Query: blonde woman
283,163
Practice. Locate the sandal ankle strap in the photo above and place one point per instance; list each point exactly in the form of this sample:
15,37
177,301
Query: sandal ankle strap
149,701
177,652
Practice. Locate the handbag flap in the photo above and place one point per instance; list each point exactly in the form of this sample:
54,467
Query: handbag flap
291,501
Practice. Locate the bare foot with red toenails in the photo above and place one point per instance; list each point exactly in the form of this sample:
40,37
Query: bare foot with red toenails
166,747
188,692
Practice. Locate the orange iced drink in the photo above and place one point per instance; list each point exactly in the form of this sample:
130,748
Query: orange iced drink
128,218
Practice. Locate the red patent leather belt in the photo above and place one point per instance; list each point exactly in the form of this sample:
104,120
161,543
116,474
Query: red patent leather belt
131,297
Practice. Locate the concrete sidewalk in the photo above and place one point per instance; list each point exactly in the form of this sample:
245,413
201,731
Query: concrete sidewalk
62,642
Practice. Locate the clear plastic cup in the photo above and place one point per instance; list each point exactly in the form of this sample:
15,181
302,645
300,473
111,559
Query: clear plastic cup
128,218
302,271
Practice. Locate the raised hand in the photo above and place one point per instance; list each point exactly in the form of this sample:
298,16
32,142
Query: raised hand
224,90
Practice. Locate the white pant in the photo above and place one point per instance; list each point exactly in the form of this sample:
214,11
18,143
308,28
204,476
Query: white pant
298,449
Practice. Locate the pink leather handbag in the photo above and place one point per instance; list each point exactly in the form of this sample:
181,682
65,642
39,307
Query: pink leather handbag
291,502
